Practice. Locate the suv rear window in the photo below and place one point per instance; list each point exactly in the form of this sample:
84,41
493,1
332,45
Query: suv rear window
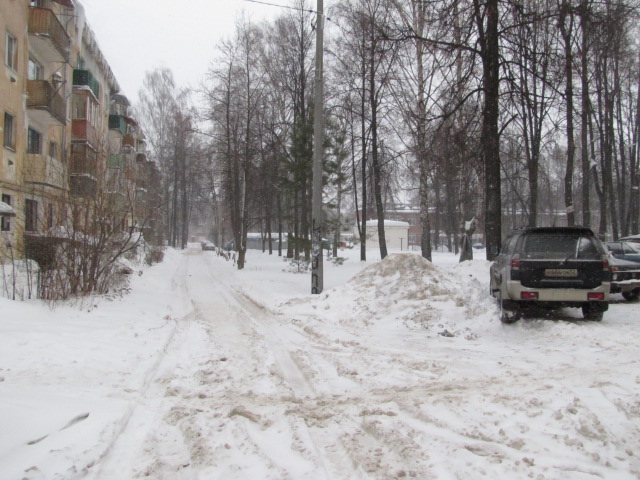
559,247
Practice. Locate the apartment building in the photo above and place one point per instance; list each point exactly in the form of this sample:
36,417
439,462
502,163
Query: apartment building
32,104
68,135
147,216
133,181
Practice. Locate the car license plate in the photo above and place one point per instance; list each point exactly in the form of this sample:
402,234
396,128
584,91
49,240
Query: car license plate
561,272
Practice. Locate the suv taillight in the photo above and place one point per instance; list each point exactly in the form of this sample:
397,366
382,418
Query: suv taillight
605,263
515,267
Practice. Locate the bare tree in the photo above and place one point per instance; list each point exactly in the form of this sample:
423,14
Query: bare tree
367,41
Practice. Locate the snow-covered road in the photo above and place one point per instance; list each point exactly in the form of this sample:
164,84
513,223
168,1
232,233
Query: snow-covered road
403,371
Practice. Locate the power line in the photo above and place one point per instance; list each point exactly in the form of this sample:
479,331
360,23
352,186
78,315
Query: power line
290,8
281,6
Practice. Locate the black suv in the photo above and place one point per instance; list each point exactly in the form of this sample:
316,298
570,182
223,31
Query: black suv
551,267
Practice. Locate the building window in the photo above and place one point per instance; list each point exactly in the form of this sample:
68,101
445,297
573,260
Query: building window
36,3
79,108
9,131
53,149
35,70
50,216
11,52
5,222
34,141
31,216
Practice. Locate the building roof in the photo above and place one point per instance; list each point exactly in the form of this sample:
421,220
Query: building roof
388,223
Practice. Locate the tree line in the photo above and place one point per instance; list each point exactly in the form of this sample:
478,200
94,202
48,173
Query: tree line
512,112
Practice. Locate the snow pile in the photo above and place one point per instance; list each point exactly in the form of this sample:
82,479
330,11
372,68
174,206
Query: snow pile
406,289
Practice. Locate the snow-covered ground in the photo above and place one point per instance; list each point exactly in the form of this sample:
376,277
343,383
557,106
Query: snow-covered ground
400,369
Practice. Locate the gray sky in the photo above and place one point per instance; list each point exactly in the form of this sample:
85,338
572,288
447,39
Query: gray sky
137,36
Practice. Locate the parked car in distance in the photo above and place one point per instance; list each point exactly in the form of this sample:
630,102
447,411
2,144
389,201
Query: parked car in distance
631,239
625,278
551,267
208,246
624,250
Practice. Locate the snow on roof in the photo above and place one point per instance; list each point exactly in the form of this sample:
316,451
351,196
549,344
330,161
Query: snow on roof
6,210
388,223
404,210
259,235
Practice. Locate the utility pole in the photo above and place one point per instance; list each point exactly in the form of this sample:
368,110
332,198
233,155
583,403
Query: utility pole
317,279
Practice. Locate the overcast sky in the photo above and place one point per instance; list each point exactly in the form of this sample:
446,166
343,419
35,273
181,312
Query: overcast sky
137,36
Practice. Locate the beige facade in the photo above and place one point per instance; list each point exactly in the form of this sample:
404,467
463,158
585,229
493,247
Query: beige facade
68,137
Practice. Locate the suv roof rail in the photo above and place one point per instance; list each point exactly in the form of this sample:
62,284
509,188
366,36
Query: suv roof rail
576,228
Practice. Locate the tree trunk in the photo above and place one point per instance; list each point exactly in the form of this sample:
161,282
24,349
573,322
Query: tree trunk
634,198
584,117
421,128
425,222
363,139
490,136
568,69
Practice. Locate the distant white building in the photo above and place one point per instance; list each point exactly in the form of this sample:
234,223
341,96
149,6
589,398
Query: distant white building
396,234
258,241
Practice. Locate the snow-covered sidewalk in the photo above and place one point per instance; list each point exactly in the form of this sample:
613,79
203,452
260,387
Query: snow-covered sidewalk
400,369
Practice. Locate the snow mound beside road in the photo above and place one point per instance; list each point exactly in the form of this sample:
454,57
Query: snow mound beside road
406,289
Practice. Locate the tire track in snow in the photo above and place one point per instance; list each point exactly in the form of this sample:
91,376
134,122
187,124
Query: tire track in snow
293,411
206,393
108,463
327,452
340,427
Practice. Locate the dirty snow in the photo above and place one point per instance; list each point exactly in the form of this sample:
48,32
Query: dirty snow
400,369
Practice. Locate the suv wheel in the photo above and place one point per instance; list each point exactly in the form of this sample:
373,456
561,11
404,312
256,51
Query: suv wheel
508,314
631,295
592,312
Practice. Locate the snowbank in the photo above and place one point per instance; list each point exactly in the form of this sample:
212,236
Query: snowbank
406,289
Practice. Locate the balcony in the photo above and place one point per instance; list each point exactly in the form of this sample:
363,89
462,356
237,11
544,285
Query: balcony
141,196
118,201
48,37
83,170
119,105
35,169
141,148
114,180
84,160
45,171
42,247
116,161
84,78
118,122
129,141
82,130
45,103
